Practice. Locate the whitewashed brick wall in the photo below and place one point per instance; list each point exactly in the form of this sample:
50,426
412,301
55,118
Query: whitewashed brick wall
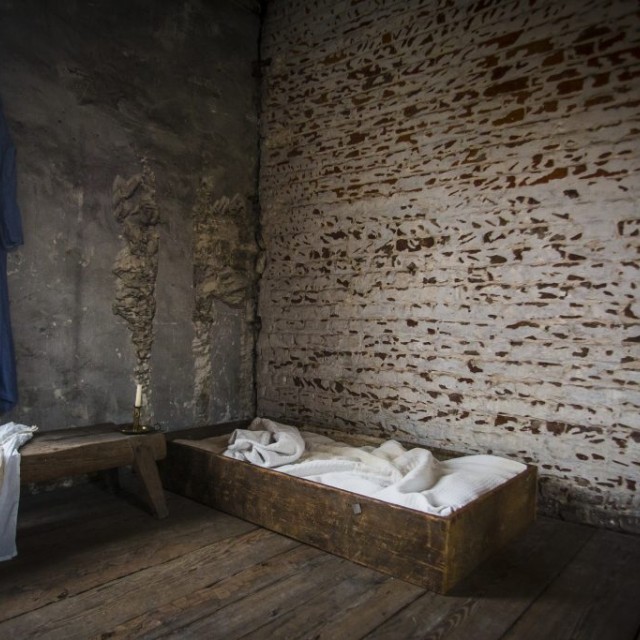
450,212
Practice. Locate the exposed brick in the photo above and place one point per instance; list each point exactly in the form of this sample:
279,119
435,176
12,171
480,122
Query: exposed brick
449,198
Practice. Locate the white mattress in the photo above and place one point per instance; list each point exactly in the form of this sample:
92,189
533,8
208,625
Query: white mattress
412,478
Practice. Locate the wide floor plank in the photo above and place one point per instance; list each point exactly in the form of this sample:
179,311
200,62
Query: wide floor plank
491,599
91,612
271,603
308,620
595,597
56,562
506,585
356,617
169,618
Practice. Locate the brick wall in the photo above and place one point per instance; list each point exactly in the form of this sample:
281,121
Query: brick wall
450,213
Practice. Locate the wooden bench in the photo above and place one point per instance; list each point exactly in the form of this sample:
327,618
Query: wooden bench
53,455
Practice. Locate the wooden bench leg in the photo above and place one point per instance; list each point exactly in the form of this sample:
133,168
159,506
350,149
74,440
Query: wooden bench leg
111,479
145,466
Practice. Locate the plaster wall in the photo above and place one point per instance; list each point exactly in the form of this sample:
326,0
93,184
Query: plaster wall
449,196
133,121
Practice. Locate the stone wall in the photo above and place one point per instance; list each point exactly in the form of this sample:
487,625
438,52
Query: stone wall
121,111
449,194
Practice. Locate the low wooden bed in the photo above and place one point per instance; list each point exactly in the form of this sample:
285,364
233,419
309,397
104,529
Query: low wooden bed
434,552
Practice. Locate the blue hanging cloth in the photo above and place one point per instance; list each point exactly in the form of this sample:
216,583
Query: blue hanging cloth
10,237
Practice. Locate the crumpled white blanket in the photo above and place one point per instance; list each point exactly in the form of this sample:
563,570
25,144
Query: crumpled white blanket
12,437
410,478
266,443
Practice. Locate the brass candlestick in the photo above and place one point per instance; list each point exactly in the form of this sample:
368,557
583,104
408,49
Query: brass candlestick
136,427
137,411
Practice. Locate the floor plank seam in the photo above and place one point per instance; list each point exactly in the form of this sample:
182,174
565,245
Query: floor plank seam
239,571
363,599
452,619
227,606
397,613
301,602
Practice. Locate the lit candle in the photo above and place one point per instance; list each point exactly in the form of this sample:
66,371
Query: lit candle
138,396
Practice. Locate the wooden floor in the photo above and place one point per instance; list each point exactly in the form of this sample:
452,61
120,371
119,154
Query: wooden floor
93,565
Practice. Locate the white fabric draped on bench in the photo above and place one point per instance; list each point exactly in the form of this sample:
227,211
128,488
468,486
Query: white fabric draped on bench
12,437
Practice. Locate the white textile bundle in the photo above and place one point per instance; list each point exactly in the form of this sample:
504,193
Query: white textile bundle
12,436
266,443
411,478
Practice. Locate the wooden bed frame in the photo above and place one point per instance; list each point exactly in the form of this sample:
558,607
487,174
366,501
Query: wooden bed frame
433,552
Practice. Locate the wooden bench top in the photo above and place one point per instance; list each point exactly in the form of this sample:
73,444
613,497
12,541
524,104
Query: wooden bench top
54,454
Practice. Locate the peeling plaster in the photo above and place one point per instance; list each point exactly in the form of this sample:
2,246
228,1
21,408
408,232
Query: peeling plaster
136,268
225,253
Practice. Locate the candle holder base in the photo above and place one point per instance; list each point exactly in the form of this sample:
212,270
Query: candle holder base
140,430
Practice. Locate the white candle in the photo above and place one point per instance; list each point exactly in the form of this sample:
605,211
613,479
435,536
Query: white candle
138,396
